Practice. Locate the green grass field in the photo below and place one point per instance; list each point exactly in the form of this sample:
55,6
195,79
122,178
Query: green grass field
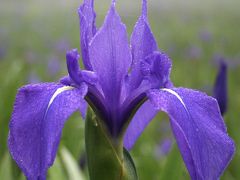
34,36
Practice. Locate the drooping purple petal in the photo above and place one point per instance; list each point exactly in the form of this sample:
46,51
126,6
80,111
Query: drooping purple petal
83,109
220,87
39,114
142,44
139,122
110,56
199,130
87,29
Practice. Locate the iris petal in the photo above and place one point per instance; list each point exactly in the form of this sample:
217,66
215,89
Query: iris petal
156,69
77,75
39,114
87,29
199,130
72,58
143,44
139,122
110,57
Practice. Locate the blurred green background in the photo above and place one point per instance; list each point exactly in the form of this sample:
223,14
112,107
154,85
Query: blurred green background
34,36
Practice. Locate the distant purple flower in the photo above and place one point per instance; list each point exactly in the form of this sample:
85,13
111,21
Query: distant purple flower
164,147
2,52
54,66
119,83
171,49
193,52
205,35
217,58
62,45
33,78
31,57
83,161
232,63
220,87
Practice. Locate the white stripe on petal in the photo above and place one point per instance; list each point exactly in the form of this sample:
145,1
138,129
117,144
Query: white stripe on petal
57,92
175,94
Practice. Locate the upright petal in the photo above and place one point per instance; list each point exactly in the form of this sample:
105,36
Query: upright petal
110,56
220,87
77,75
156,69
39,114
87,29
199,130
72,58
142,44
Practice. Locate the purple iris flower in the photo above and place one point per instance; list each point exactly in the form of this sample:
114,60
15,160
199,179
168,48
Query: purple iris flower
126,85
220,87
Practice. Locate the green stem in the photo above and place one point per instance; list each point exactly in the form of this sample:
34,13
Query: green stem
105,155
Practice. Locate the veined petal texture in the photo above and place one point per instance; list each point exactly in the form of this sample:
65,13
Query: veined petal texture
143,44
156,69
141,119
87,29
39,114
199,130
110,56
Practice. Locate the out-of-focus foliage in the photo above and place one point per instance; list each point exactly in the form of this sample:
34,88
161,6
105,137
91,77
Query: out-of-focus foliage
34,36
